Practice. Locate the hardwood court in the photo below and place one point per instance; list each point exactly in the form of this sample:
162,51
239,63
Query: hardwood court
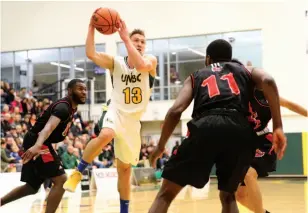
280,196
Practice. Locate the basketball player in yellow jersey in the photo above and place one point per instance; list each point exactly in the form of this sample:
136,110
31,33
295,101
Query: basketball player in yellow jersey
132,78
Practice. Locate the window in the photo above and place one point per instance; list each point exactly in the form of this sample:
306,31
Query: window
43,65
7,63
93,70
179,57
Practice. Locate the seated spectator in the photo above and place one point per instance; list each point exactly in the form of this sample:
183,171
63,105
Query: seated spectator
6,109
5,160
13,131
62,147
106,154
76,128
176,146
16,106
5,124
10,96
79,146
18,120
32,120
76,153
22,92
3,98
68,159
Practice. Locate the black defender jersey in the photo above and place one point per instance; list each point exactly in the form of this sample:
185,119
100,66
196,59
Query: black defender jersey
61,109
225,85
260,113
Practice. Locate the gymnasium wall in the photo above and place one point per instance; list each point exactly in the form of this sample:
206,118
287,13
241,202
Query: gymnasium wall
29,25
36,25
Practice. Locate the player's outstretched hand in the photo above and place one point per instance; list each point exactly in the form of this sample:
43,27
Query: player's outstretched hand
157,153
122,30
31,153
279,142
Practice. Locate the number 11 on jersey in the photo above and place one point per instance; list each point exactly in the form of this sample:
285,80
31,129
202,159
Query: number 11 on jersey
133,95
213,90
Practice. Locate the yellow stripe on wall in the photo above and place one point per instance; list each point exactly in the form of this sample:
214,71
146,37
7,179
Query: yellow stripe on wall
304,148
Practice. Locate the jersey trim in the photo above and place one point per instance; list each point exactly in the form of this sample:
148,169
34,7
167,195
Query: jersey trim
62,101
260,102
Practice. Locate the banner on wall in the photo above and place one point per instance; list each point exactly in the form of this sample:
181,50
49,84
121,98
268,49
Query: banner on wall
106,181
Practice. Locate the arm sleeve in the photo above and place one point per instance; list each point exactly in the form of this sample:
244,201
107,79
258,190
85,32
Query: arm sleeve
61,111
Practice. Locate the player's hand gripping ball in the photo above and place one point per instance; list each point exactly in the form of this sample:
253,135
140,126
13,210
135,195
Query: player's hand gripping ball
105,20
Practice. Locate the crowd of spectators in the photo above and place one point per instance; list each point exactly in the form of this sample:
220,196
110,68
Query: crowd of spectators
19,112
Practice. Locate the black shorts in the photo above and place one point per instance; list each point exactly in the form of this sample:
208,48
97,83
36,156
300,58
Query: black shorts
227,141
46,166
264,162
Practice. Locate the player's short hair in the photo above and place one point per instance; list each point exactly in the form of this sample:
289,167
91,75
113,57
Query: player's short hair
73,82
219,50
137,31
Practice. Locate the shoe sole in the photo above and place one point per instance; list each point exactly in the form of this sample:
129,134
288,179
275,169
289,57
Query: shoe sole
69,189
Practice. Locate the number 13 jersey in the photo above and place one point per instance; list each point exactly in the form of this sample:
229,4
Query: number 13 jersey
131,89
221,85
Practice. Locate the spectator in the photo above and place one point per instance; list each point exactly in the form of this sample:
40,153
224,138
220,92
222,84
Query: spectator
5,109
78,116
16,104
106,154
176,146
35,86
62,147
5,160
69,160
3,98
5,123
32,120
17,120
10,96
76,127
22,93
79,146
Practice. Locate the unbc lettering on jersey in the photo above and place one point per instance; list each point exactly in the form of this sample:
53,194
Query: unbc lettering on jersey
130,78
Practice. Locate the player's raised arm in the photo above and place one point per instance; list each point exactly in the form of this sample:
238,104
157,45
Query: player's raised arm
101,59
142,64
293,107
174,114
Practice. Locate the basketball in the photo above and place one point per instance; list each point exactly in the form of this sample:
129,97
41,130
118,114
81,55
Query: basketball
105,20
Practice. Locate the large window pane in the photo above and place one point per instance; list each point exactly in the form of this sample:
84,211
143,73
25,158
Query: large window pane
93,70
247,46
186,42
66,62
7,67
43,55
161,88
121,49
213,37
21,57
100,81
44,65
80,61
160,45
